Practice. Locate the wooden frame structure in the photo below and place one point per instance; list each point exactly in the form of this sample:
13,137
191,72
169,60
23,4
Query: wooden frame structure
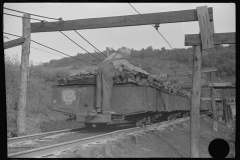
207,40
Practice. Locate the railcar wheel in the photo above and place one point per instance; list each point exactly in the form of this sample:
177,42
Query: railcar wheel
100,124
89,125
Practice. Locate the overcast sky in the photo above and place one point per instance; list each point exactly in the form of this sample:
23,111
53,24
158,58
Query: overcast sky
136,37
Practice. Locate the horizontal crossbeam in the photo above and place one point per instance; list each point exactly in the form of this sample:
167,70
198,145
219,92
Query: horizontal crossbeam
222,85
218,38
190,72
119,21
14,43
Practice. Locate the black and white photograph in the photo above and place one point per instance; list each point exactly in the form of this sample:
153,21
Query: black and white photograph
120,79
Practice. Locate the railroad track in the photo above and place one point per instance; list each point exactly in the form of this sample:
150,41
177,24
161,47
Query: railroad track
63,147
41,135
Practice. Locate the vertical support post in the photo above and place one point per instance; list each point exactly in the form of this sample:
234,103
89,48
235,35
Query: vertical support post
21,114
213,105
195,101
212,92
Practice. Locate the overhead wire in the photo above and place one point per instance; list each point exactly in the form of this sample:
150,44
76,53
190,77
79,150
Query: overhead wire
39,49
84,39
90,43
151,25
104,33
30,13
53,49
23,17
79,45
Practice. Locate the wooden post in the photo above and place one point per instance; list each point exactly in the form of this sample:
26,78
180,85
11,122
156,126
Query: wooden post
212,92
107,51
195,101
21,115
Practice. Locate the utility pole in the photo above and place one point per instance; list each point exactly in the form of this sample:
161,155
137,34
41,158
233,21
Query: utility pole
21,112
195,101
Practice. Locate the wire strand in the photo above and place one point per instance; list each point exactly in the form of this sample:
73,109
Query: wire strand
22,17
78,45
53,49
29,13
151,25
89,43
47,52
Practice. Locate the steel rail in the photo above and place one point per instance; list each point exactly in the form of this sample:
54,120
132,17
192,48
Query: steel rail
35,136
41,135
43,151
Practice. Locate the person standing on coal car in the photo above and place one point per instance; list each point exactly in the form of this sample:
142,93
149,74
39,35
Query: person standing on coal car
105,74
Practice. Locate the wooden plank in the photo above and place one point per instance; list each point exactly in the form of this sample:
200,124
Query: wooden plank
14,43
226,84
215,124
190,72
118,21
212,93
205,28
195,102
21,113
218,38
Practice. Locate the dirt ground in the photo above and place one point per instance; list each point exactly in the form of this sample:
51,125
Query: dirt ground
171,142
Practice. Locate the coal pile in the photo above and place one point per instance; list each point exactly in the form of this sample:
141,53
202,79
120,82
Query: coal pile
125,76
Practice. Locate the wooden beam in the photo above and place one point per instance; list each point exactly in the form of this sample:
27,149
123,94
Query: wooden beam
119,21
190,72
21,112
227,85
14,43
205,28
190,87
195,102
218,38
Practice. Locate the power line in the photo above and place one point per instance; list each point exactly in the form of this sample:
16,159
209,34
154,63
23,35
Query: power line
39,49
151,24
62,52
79,45
107,33
89,43
30,13
53,49
83,38
47,52
22,17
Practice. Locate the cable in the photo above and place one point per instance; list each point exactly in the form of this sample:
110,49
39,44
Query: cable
30,13
39,49
11,34
89,43
114,37
53,49
151,24
22,17
61,52
47,52
78,44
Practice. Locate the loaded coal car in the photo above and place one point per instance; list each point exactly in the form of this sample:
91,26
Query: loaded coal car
135,97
